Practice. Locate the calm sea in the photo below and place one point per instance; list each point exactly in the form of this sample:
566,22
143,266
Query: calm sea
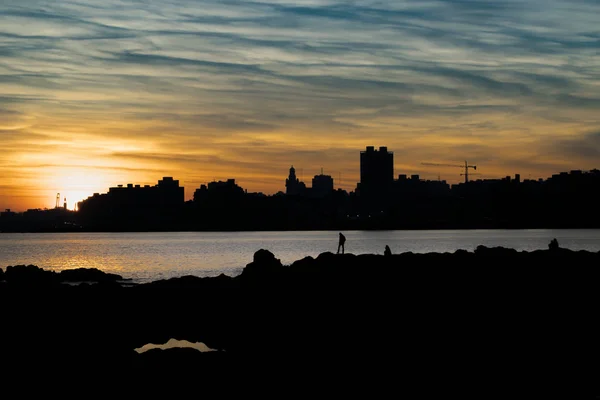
151,256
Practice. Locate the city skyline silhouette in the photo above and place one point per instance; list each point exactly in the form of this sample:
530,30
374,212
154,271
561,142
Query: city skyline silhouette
334,182
382,199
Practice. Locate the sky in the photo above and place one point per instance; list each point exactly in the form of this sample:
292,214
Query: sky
99,93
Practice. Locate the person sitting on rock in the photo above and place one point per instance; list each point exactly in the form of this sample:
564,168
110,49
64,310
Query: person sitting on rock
387,251
553,245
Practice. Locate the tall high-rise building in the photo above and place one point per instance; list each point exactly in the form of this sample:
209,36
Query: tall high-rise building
376,169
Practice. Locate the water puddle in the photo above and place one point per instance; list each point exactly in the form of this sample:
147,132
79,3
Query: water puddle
173,343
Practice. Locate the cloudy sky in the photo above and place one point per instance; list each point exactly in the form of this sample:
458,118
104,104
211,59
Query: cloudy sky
99,93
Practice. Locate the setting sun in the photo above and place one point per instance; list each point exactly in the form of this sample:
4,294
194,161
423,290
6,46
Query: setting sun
75,185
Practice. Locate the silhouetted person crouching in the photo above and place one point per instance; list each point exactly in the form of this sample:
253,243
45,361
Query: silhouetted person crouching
341,243
387,251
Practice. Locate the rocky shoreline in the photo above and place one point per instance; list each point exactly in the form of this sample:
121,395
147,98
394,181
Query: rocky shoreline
404,319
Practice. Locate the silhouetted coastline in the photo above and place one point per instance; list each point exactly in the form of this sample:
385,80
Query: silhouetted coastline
411,318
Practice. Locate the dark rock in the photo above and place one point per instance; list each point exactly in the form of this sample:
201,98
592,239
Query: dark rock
29,274
434,316
461,252
187,366
87,275
327,256
494,251
302,264
263,256
264,263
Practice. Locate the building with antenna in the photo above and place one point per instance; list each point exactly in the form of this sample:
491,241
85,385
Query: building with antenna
322,185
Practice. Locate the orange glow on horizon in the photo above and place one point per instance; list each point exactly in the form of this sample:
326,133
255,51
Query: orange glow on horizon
83,109
80,154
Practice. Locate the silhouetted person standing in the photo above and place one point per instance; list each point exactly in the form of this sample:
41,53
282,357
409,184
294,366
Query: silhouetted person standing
341,243
388,251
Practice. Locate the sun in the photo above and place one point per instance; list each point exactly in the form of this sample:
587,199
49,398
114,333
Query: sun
73,186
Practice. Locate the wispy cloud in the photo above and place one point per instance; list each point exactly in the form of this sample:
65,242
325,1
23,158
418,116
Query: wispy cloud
245,88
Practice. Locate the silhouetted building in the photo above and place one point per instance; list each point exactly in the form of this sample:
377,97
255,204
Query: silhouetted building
293,185
322,185
376,170
7,213
57,219
134,207
219,191
414,187
166,194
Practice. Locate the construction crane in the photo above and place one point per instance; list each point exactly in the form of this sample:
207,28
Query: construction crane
466,167
471,174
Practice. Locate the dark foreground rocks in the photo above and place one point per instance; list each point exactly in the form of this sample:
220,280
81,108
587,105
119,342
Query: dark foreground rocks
465,322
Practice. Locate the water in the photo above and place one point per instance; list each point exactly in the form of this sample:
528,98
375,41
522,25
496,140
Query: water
151,256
